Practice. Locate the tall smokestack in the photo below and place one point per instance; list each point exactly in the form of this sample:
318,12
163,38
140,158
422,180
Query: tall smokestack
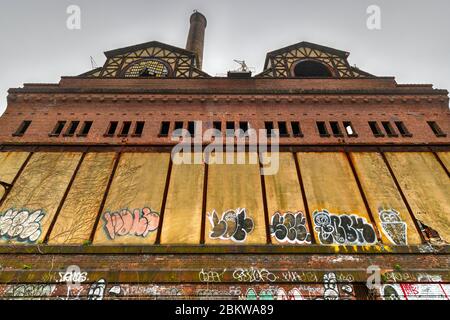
196,36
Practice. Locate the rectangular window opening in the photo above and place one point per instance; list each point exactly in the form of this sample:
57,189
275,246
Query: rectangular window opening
375,129
22,128
436,129
351,132
191,128
336,129
58,128
296,129
217,125
139,128
111,128
230,128
402,129
389,129
85,128
164,130
72,128
126,125
268,125
283,129
323,131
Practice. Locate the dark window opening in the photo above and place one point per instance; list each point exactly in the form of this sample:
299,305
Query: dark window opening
375,129
22,128
436,129
112,128
323,131
165,126
296,129
402,129
243,126
139,128
230,128
282,127
178,125
72,128
269,128
85,128
336,129
125,129
58,128
311,69
217,125
191,128
351,132
388,128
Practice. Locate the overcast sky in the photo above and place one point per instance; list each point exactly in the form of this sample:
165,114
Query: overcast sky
36,46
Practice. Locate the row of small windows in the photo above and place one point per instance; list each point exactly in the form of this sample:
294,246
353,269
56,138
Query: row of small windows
379,129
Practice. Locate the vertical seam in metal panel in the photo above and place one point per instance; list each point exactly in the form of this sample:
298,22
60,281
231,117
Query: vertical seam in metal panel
163,204
105,194
363,195
22,167
405,201
440,162
63,199
305,200
205,195
264,198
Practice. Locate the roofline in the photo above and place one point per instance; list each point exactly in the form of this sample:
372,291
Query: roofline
135,47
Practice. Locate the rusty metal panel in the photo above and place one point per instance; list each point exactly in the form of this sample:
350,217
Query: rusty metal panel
426,187
285,205
133,205
183,212
337,209
234,207
33,200
445,158
390,212
10,164
78,214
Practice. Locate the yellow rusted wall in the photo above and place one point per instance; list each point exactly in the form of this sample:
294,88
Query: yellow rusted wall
390,212
445,158
133,205
426,187
79,212
183,212
285,205
10,164
337,209
32,202
235,195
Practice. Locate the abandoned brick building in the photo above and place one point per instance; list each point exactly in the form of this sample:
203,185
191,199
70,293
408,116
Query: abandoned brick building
93,205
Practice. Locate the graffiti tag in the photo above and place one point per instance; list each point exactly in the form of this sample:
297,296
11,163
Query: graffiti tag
343,229
290,227
136,223
234,225
21,225
393,226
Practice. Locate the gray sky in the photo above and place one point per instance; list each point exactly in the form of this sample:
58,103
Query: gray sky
36,46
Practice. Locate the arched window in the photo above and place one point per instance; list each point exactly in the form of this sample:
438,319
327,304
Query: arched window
311,69
149,68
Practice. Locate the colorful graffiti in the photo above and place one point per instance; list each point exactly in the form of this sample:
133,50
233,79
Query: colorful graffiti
393,227
343,229
21,225
290,227
234,225
97,290
28,291
415,291
140,222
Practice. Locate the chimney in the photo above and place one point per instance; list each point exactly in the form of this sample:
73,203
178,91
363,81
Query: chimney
196,36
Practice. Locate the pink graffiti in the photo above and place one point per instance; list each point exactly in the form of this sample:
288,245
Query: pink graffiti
136,223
